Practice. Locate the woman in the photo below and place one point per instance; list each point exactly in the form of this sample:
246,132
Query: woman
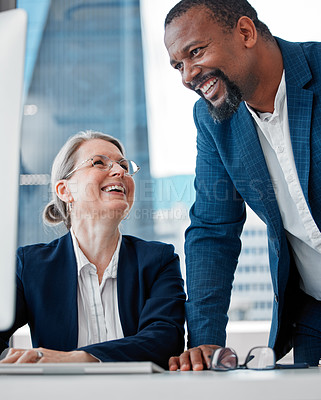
94,294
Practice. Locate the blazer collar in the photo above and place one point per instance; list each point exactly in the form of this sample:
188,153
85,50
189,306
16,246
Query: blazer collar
297,76
262,198
63,288
127,287
295,64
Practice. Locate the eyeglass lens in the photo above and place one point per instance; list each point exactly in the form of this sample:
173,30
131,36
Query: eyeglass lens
258,358
104,163
224,359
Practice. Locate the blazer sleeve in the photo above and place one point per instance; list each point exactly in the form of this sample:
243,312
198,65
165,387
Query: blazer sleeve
160,332
20,319
212,243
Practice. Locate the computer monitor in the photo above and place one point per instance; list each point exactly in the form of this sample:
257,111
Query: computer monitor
13,26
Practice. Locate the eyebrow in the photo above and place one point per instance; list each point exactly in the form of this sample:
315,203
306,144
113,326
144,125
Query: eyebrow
110,157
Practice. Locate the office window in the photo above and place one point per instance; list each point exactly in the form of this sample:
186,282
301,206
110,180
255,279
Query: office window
102,65
84,71
76,51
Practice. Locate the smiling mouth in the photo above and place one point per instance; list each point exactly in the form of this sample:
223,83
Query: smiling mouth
114,188
208,86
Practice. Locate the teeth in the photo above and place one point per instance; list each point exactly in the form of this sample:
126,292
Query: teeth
114,187
205,88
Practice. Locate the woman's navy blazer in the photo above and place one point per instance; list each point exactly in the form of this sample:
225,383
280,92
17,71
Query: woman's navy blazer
150,299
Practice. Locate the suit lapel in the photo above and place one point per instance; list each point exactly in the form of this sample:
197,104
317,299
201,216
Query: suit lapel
127,287
63,308
63,289
300,112
297,75
299,103
262,200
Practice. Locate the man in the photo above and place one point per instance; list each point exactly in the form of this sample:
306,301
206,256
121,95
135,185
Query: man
259,142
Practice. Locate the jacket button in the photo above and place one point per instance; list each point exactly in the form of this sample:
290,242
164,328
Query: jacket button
276,299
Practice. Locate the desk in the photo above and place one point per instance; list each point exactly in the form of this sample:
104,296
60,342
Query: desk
302,384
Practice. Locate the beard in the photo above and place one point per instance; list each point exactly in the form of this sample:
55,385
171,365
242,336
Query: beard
229,105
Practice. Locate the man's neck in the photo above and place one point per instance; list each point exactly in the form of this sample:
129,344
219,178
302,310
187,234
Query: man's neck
270,75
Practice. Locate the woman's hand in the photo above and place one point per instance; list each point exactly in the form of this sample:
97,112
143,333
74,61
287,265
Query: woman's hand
41,355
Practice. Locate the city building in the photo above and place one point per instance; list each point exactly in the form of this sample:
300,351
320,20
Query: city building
85,70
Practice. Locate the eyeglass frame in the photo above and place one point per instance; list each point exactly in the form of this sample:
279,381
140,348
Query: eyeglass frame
103,169
247,360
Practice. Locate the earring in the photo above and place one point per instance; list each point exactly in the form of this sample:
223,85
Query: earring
69,204
69,207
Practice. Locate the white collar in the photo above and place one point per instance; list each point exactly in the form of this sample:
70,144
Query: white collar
278,104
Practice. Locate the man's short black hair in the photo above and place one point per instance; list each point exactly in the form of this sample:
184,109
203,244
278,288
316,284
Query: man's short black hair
225,12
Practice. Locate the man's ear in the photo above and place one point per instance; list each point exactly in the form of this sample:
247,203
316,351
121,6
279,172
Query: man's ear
63,192
247,30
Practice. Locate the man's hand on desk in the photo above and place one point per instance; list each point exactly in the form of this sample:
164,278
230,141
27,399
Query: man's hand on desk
41,355
196,358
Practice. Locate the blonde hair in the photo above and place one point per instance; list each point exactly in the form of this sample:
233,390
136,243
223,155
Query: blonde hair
56,211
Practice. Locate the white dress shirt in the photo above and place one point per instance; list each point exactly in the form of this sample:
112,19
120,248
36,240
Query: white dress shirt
302,232
98,314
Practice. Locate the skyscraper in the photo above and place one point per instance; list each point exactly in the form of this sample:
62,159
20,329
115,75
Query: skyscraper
88,74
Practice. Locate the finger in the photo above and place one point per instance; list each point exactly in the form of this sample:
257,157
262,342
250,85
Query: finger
13,351
197,360
185,361
173,364
207,351
12,356
40,354
45,355
29,356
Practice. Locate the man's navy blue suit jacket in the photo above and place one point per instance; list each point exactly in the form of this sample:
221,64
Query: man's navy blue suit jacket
231,170
150,299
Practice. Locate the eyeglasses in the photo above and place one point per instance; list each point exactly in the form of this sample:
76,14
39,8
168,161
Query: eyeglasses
104,163
258,358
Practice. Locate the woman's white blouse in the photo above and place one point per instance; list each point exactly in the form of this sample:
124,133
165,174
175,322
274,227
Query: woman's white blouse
98,314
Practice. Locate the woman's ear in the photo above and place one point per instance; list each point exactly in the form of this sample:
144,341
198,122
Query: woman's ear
63,192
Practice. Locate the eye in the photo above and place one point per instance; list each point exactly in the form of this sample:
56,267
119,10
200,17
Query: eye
178,66
194,52
99,162
124,165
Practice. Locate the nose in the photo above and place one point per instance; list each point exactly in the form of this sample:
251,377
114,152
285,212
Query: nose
190,71
116,170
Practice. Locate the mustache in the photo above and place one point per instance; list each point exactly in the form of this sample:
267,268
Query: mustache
199,80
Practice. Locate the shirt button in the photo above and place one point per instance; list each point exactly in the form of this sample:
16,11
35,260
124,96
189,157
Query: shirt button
315,234
290,178
280,149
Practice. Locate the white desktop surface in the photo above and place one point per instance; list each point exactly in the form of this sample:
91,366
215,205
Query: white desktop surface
304,384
